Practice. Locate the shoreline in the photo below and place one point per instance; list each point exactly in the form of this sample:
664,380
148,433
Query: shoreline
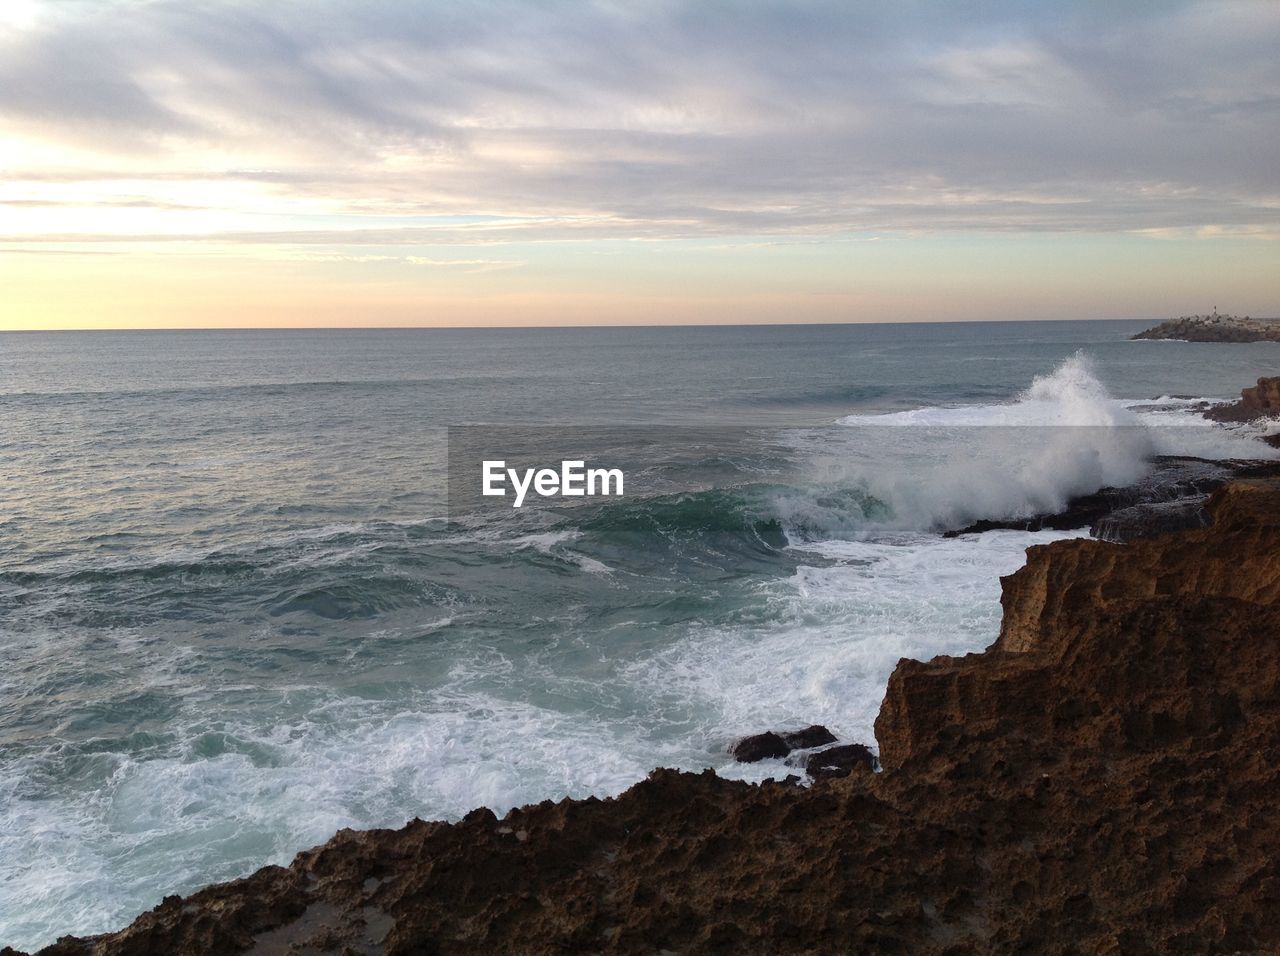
1091,779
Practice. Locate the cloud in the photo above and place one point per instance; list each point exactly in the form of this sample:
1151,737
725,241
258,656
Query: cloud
469,266
679,118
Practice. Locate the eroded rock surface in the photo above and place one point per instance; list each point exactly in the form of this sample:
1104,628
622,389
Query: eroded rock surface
1259,401
839,761
1102,780
759,747
813,736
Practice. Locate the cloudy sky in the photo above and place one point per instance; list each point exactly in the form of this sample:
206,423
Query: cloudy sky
357,162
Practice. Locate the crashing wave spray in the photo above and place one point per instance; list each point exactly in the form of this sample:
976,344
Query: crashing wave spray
1064,436
1071,395
1085,439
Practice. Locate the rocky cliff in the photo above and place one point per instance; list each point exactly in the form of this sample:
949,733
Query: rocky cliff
1103,779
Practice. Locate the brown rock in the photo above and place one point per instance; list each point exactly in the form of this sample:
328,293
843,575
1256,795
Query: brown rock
1260,401
839,761
1149,520
1062,585
759,747
812,736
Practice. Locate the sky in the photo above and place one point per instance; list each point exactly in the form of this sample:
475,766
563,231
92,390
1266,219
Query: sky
168,163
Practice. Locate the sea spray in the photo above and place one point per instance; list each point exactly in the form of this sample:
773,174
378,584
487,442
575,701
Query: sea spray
929,469
1064,436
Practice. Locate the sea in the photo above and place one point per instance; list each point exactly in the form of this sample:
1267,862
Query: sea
242,608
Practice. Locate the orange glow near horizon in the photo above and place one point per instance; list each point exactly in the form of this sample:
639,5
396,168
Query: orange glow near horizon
920,279
175,168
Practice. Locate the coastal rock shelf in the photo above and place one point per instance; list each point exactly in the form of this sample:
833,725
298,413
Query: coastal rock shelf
1256,402
1102,779
1170,498
1215,328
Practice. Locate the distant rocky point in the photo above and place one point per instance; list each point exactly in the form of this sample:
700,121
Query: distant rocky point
1215,328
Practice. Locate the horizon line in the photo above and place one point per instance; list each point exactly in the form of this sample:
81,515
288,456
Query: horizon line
583,325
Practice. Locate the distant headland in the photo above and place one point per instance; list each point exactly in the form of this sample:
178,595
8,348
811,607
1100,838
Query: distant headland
1215,328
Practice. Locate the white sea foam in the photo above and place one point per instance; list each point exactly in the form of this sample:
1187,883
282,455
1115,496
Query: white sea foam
90,861
552,543
839,632
547,540
1064,436
1177,427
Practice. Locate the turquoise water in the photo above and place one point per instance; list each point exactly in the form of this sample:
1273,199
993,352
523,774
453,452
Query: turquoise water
233,617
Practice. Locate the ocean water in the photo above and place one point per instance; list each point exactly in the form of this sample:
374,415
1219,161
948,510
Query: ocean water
235,615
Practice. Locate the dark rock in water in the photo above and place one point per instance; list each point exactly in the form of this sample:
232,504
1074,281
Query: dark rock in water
770,744
1079,513
1260,401
1252,470
839,761
1194,403
1178,484
759,747
1148,520
814,736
